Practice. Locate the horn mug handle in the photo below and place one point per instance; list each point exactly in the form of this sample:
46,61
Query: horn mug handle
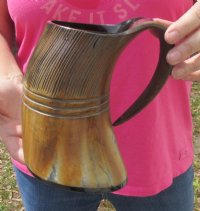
161,74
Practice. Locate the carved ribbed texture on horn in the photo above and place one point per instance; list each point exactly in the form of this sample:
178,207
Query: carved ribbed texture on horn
72,69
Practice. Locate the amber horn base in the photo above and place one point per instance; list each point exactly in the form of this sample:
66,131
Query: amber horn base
78,153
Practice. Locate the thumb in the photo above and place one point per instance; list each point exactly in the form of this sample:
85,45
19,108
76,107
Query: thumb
165,23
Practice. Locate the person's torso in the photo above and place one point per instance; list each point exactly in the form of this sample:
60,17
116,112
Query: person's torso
156,142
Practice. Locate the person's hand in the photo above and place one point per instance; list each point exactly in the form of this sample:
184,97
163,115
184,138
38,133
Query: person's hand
185,34
10,116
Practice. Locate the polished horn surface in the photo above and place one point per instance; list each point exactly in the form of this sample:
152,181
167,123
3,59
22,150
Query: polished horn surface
68,137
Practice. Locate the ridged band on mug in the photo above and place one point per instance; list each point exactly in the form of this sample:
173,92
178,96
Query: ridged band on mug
58,108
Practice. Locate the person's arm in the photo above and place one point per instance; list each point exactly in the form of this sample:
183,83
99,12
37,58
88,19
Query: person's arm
10,88
185,34
8,65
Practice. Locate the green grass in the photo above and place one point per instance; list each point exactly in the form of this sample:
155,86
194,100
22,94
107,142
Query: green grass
197,184
195,103
10,198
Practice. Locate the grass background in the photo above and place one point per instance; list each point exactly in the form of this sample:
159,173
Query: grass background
10,199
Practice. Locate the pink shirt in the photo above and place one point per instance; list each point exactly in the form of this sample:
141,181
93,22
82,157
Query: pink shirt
156,145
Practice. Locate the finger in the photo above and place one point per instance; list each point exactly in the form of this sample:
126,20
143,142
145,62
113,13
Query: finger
14,147
19,130
188,70
10,129
185,49
194,76
184,25
162,22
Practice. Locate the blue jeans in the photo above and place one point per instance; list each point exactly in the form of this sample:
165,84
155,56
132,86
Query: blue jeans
40,196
